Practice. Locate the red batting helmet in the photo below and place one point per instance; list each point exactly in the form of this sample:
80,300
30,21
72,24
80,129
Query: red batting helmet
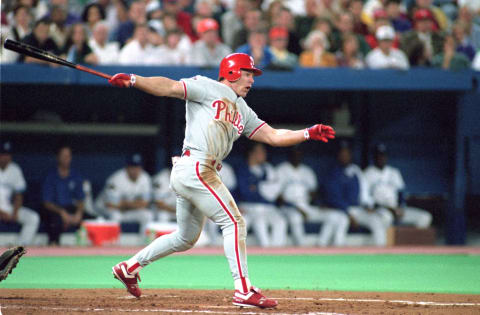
231,65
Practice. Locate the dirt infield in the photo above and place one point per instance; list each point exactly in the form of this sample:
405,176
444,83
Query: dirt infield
117,301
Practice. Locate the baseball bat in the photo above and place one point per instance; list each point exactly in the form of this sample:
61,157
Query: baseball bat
37,53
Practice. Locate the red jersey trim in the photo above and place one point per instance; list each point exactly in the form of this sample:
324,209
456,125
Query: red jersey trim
256,129
184,91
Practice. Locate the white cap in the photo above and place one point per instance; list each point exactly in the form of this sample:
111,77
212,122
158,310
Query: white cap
385,32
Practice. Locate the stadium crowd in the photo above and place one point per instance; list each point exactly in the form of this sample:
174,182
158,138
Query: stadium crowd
272,198
279,34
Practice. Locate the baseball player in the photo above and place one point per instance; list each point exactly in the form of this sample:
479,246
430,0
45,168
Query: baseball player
299,182
127,194
385,184
216,116
164,198
12,186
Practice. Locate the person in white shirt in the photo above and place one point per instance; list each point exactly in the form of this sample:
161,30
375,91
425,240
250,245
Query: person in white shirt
107,52
172,53
385,56
164,198
208,51
138,50
12,186
127,194
385,184
299,184
476,62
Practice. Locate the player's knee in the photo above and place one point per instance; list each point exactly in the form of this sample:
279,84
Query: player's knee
182,244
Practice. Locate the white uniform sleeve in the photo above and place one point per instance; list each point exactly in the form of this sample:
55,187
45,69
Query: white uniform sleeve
146,188
20,184
112,190
397,179
252,123
310,178
194,88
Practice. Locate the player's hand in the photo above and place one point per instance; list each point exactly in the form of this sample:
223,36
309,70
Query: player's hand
123,80
320,132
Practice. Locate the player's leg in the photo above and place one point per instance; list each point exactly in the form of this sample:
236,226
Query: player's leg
373,221
30,220
418,217
257,214
296,222
278,226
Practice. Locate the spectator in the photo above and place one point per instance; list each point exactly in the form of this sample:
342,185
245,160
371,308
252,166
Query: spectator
170,24
78,49
356,9
138,50
12,187
39,38
232,20
257,48
106,52
299,184
349,56
399,20
184,19
380,19
385,56
59,30
297,7
464,45
369,9
21,23
154,11
91,15
304,23
386,185
476,62
164,198
472,25
346,189
63,196
127,195
258,188
252,21
71,17
316,52
172,53
450,59
422,34
155,33
344,25
439,19
208,51
282,58
284,19
136,16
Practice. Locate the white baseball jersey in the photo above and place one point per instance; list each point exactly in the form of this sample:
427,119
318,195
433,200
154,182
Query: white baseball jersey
271,187
215,117
297,182
11,182
384,184
120,187
161,188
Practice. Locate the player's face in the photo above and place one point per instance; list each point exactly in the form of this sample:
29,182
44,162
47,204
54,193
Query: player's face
134,172
5,158
380,160
65,157
243,85
345,156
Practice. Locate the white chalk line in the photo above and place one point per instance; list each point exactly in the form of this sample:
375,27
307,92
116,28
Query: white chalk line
386,301
88,309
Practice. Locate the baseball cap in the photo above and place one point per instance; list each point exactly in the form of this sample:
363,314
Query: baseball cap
207,24
278,32
380,14
423,14
380,148
135,160
385,32
6,147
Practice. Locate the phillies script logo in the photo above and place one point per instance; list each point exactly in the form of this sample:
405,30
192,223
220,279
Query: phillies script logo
231,116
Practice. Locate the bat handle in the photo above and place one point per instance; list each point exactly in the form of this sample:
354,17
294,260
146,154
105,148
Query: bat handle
98,73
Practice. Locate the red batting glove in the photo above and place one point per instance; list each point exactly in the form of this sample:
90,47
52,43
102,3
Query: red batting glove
320,132
123,80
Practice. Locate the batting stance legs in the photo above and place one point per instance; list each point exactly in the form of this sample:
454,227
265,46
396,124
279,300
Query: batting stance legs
200,194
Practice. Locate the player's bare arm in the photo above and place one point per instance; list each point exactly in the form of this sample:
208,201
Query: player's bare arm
159,86
286,137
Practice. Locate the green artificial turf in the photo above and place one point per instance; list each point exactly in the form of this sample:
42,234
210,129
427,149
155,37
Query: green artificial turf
396,273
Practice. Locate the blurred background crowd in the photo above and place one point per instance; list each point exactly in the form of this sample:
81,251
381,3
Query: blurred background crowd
279,34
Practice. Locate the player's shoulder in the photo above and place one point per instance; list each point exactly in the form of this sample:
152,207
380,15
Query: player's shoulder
371,169
118,175
14,168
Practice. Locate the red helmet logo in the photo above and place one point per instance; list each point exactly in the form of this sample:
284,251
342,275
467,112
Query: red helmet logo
231,65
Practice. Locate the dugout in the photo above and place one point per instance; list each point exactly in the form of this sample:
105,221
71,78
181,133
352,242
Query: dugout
427,117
